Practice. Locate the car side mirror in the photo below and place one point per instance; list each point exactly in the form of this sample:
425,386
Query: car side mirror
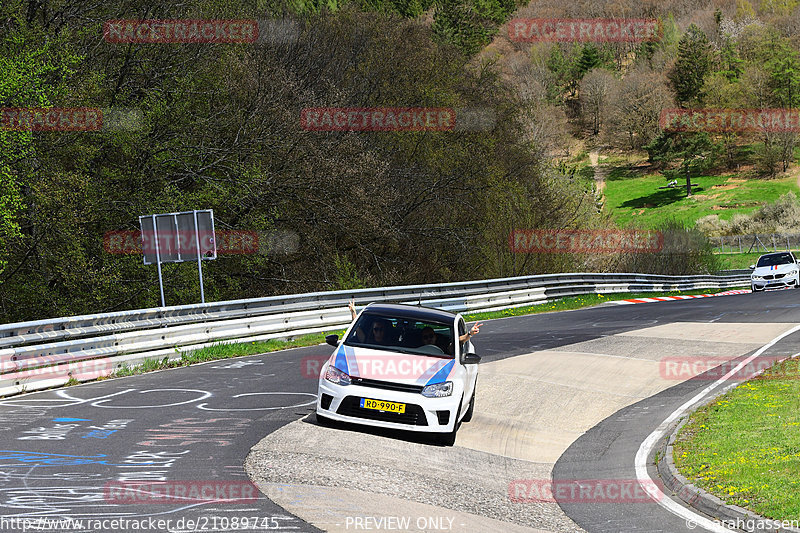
333,340
471,359
752,267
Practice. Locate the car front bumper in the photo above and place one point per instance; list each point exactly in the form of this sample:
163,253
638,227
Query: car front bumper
786,281
427,415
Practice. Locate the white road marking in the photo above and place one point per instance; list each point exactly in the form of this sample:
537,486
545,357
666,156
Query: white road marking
649,443
204,408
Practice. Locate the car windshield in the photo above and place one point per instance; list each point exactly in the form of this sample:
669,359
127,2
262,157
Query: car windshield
404,335
775,259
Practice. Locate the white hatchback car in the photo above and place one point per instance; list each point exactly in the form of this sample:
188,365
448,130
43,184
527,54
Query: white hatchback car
773,271
401,367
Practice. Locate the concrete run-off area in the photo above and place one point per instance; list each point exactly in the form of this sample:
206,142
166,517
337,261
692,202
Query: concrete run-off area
529,410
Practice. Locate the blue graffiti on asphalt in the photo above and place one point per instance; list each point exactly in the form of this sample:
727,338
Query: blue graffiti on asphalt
50,459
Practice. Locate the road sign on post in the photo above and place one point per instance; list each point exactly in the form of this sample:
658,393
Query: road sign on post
178,237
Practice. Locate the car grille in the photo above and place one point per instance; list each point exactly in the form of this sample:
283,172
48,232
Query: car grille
776,276
413,416
386,385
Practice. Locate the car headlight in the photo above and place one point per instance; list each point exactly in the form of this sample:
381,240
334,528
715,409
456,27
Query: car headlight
438,390
759,278
334,375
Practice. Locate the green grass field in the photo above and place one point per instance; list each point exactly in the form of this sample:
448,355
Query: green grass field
634,199
738,261
745,447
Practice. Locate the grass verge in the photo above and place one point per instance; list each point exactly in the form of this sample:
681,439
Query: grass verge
745,447
577,302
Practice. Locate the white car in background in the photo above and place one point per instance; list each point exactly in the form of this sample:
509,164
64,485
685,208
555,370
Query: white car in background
775,271
401,367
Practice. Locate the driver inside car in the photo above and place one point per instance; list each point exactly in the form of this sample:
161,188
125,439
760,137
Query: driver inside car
428,336
381,332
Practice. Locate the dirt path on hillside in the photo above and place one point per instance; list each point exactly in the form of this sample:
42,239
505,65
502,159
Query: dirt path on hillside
600,174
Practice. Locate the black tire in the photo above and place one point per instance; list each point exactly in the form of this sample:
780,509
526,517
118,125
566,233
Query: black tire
470,409
448,439
324,421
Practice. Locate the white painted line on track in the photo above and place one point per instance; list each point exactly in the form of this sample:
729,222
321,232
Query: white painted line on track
693,519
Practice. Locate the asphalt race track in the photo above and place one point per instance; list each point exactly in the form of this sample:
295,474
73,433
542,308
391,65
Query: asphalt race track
572,395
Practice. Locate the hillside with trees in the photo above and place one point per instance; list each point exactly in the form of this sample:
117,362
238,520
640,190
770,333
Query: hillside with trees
220,129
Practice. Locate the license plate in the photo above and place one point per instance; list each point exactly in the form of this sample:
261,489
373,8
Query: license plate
381,405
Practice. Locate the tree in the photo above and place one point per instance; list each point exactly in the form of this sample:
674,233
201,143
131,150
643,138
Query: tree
565,68
692,65
634,107
693,152
730,64
589,59
784,70
32,73
721,93
595,88
470,25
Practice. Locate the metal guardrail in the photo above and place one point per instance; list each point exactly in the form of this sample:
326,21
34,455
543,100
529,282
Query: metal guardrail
47,353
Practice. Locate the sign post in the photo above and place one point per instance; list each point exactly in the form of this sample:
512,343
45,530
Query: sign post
176,238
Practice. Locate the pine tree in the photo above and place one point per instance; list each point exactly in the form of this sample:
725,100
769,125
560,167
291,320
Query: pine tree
784,71
692,65
730,62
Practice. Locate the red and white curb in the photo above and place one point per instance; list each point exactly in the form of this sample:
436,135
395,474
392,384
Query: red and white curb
682,297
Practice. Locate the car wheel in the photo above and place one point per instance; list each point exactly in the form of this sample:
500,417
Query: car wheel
470,409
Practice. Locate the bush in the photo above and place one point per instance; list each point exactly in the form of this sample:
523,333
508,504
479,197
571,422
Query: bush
781,216
685,251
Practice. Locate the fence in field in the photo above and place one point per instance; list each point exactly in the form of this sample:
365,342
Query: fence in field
756,243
